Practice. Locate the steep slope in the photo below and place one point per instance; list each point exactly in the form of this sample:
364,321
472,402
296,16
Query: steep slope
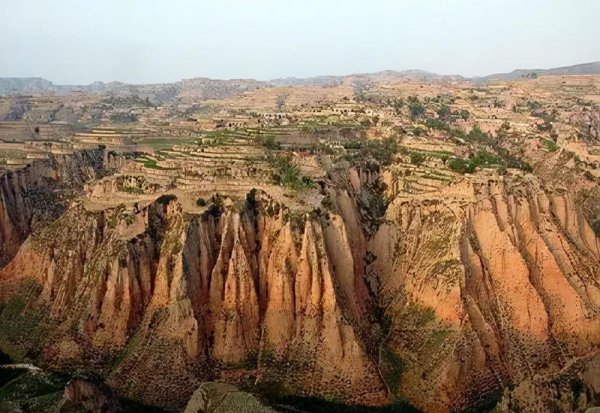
485,291
484,294
242,294
34,193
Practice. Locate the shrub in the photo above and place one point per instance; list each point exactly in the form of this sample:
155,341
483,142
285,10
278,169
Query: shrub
436,124
381,150
486,158
201,202
443,111
415,107
216,206
418,131
589,176
477,135
268,142
457,133
129,219
550,145
214,210
133,190
352,145
461,165
417,158
289,175
251,199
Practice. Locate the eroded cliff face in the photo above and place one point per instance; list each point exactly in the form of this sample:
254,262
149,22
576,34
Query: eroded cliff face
486,291
28,194
483,294
243,290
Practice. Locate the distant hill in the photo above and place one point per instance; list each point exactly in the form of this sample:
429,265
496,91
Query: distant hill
377,77
581,69
24,84
204,88
196,88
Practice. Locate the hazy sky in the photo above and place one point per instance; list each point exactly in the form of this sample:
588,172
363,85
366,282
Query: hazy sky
140,41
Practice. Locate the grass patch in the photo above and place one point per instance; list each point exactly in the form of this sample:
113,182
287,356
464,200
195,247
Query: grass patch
549,145
133,190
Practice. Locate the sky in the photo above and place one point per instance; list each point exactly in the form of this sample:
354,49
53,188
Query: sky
146,41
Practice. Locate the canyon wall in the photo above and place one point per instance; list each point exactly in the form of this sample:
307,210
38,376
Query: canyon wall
486,294
31,191
451,303
248,289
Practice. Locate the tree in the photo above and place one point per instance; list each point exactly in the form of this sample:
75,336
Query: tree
476,134
415,107
461,165
417,158
280,102
443,111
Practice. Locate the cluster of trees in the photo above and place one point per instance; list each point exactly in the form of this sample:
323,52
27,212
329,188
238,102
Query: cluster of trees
268,142
123,117
415,107
417,158
485,158
289,175
380,150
